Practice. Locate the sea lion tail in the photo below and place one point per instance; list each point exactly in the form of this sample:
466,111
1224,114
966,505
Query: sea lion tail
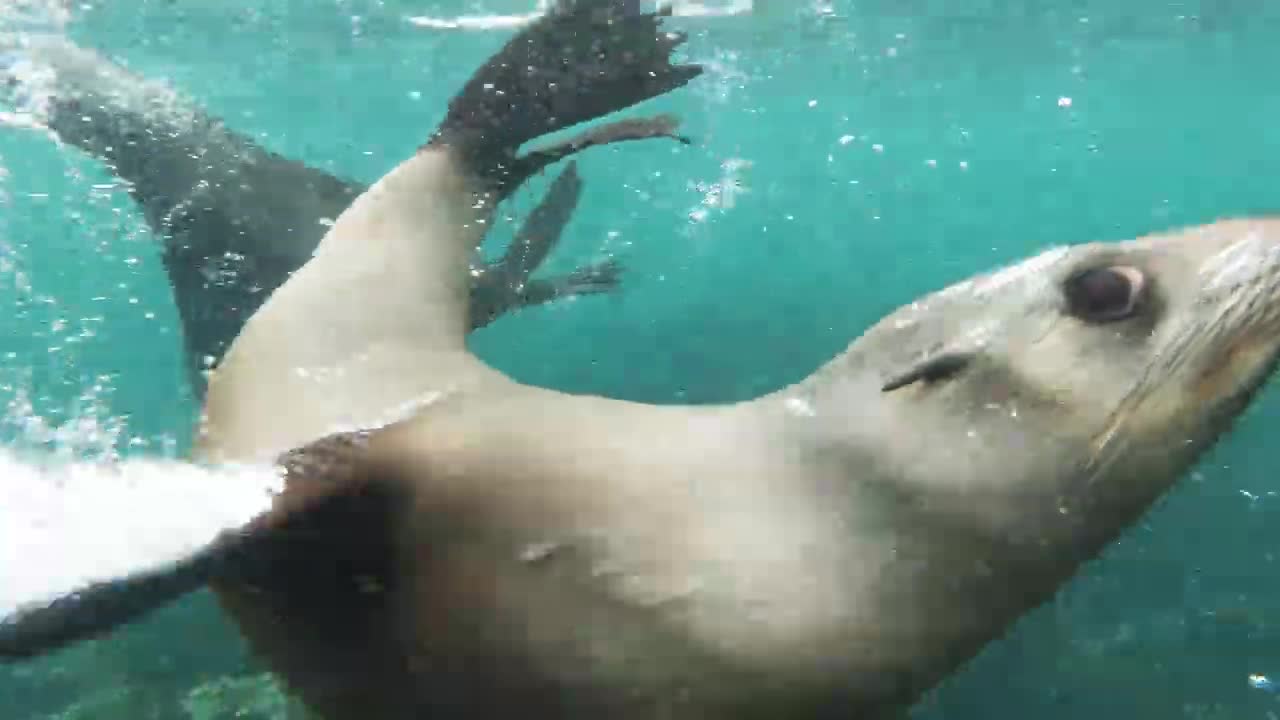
581,61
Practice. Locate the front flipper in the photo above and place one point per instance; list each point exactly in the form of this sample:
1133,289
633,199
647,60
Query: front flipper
43,625
187,526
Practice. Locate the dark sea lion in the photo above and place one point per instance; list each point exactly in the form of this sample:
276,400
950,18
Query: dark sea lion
831,549
237,219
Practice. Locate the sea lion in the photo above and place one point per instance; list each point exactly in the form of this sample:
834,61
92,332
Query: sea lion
831,549
237,219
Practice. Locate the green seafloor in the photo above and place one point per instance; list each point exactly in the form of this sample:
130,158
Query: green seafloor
849,157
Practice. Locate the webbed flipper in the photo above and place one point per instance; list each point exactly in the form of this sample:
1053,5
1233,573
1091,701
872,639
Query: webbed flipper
543,228
94,608
595,279
75,593
506,284
583,60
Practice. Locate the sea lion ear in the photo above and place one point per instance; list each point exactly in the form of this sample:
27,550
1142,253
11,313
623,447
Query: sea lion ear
934,367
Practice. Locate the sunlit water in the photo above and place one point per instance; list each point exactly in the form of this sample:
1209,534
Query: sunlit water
496,21
849,157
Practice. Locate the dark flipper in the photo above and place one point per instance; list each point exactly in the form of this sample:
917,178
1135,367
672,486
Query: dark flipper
507,283
332,487
85,612
595,279
543,228
582,61
660,126
498,287
599,278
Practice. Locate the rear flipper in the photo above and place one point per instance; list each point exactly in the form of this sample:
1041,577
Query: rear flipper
583,60
595,279
659,126
543,228
599,278
506,285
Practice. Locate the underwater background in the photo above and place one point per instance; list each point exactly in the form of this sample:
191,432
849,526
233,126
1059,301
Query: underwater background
848,157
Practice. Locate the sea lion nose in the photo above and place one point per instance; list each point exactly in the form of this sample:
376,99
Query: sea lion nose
1249,257
1234,322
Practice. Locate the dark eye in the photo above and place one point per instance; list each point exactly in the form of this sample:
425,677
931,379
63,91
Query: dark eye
1105,294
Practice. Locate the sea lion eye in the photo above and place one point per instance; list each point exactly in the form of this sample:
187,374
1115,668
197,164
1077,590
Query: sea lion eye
1105,294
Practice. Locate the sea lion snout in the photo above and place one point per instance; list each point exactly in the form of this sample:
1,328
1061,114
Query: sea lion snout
1217,339
1239,310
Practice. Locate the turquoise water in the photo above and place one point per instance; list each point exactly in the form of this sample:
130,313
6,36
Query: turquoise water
844,163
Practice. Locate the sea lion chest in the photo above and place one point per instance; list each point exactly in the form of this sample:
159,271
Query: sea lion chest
635,562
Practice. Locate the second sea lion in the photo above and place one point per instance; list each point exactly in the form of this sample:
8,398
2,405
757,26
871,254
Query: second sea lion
237,219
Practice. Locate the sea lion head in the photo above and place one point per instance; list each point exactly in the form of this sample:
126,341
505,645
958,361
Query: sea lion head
1051,402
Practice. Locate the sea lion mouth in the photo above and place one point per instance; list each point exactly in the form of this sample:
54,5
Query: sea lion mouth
1242,299
1241,368
1234,326
1230,386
